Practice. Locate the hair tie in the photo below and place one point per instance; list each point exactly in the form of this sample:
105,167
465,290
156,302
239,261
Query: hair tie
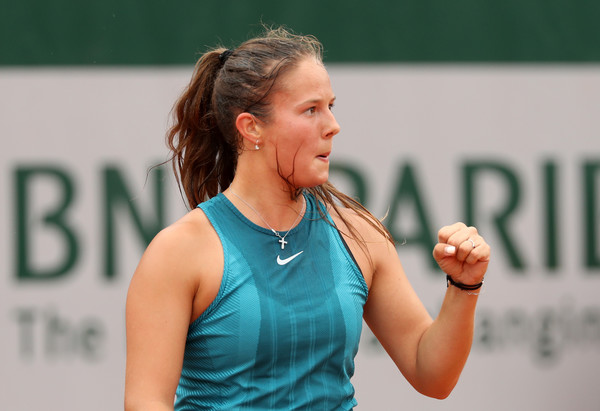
224,56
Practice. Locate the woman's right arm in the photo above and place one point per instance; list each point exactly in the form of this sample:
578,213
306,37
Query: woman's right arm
159,308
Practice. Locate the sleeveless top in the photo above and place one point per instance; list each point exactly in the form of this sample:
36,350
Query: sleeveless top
284,329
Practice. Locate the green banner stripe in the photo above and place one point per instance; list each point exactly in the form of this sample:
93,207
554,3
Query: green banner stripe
152,32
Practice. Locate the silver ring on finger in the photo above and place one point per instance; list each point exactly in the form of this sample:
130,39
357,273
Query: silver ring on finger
472,242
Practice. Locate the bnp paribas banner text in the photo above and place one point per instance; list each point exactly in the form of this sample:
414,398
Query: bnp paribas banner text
514,150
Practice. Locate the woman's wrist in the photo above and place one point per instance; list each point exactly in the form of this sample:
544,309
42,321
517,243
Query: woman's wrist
469,288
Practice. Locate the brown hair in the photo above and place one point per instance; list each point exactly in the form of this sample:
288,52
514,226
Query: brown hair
204,140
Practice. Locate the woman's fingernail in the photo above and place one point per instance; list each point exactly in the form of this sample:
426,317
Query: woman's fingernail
450,249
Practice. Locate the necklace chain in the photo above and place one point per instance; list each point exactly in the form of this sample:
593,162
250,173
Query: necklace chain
281,239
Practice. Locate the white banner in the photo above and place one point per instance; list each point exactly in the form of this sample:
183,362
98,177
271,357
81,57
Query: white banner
512,149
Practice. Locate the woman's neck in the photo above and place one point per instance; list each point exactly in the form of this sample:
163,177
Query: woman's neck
272,206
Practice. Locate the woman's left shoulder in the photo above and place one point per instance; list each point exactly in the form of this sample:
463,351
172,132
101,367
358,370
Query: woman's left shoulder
364,223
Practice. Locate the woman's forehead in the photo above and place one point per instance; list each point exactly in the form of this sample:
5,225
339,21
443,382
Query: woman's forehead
309,80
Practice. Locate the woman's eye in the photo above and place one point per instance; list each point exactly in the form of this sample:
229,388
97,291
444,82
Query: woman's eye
331,106
311,110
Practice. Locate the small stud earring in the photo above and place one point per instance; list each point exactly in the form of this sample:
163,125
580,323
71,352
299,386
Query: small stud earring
256,147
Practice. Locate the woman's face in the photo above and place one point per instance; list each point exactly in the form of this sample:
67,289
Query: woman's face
298,134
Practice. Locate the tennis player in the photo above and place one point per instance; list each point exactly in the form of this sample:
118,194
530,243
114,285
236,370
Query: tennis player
255,299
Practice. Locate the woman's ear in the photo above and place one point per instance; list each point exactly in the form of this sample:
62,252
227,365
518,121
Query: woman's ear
248,128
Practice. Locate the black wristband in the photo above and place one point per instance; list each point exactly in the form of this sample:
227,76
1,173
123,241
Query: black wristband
462,286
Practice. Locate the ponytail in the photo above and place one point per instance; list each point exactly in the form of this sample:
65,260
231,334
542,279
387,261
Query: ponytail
203,159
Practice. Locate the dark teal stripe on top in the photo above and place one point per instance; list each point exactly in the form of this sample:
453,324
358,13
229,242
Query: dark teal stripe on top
152,32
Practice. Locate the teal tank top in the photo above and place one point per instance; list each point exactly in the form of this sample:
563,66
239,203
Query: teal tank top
284,329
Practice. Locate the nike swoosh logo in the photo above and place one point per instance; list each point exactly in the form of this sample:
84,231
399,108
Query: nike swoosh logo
287,260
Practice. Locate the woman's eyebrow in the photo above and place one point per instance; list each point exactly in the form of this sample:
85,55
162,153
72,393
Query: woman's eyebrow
315,100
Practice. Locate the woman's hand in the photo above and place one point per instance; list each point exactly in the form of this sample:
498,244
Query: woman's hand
462,253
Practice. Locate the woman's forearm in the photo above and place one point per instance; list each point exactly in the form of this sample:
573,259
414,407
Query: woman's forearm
444,347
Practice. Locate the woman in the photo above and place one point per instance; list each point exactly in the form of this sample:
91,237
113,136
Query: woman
255,299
